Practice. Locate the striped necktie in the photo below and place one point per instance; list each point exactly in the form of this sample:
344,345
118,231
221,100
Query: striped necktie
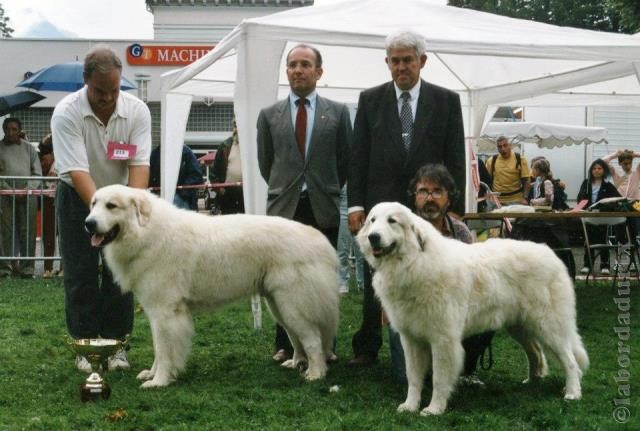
406,118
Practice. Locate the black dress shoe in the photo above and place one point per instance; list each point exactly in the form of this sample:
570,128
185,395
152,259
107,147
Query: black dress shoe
361,361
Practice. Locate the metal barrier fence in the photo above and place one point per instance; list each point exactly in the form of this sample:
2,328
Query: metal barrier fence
28,232
28,228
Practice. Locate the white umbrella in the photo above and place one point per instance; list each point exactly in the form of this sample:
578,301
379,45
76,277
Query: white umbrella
545,135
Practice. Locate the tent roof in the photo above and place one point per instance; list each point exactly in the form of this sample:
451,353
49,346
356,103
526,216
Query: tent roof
468,50
488,59
545,135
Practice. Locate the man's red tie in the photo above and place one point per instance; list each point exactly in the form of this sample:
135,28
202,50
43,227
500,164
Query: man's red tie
301,124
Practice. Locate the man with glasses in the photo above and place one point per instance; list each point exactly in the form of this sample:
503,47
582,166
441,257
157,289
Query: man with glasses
303,152
432,191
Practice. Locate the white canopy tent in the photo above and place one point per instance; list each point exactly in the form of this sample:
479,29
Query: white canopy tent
545,135
488,59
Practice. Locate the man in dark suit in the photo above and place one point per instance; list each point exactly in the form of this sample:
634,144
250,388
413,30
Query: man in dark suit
303,151
400,126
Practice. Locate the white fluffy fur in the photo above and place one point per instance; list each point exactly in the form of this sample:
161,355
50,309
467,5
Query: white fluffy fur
176,261
436,291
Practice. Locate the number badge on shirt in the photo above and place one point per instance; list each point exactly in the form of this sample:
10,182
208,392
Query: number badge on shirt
118,150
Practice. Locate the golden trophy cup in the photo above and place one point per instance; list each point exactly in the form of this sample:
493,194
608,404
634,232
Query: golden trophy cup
97,352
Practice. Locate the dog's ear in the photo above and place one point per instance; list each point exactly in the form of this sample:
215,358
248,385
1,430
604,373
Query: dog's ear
419,237
142,205
417,232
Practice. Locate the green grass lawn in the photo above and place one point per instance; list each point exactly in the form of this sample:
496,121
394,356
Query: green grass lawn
232,383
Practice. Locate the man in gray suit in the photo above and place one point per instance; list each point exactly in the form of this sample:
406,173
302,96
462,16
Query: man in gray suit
304,143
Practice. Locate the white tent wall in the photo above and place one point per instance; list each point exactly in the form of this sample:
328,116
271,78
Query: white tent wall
259,88
475,117
571,163
176,103
174,124
623,90
488,59
623,125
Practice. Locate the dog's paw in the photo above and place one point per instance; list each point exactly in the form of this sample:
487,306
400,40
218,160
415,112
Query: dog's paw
407,407
145,375
432,410
542,372
311,376
573,396
155,383
289,363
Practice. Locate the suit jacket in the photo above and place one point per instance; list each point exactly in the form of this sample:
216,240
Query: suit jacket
324,170
380,169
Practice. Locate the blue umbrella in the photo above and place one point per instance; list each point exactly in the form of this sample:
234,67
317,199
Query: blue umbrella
63,77
17,101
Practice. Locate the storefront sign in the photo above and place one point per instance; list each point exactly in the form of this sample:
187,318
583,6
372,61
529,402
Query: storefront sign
164,55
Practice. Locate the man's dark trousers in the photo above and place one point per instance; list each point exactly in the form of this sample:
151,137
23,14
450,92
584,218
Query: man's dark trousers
304,215
94,304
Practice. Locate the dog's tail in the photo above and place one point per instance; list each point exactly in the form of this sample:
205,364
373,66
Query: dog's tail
580,354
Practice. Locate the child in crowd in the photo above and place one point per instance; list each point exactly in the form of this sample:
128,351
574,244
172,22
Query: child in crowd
593,189
541,193
625,179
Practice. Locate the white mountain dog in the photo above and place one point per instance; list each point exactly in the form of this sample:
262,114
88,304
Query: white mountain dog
436,291
177,261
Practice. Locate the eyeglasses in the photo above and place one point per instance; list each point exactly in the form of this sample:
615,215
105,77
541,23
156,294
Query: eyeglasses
436,194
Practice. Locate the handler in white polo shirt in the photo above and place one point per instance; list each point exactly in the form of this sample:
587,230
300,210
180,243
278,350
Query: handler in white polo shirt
101,136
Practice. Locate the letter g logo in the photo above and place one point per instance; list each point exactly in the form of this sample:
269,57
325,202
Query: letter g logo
135,50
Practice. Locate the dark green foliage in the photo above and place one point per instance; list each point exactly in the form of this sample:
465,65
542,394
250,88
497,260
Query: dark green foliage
603,15
5,30
629,11
231,383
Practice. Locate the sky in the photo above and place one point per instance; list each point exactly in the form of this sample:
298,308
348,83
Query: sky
89,19
99,19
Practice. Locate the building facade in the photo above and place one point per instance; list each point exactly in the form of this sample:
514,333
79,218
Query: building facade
184,30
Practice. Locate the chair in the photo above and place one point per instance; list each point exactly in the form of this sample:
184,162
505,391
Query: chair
625,253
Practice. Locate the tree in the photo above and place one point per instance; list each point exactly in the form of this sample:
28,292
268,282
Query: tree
5,30
629,11
603,15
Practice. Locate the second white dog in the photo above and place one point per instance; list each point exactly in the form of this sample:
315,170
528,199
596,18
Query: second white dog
437,291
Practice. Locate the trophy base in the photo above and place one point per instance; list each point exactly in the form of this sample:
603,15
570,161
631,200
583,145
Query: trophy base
93,392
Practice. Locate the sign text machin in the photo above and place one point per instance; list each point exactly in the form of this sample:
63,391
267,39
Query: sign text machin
164,55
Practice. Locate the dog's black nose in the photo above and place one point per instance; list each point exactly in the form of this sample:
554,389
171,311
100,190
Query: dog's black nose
90,225
374,240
